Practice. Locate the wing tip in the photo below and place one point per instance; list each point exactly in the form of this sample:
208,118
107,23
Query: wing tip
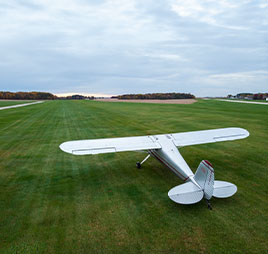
244,132
64,147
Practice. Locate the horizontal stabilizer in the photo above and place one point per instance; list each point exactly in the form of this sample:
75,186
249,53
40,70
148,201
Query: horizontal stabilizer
186,193
223,189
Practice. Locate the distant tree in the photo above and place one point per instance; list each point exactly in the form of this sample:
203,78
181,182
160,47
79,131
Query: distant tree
27,96
77,97
242,95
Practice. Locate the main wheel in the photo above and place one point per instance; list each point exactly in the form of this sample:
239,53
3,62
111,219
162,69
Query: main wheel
138,165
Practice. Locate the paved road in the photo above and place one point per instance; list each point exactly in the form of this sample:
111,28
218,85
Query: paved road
20,105
249,102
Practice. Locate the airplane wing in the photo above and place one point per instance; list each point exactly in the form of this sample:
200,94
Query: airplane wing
109,145
208,136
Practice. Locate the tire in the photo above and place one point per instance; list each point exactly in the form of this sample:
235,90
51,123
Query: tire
138,165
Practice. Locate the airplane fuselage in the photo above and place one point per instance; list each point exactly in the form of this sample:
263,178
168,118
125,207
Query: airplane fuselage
170,157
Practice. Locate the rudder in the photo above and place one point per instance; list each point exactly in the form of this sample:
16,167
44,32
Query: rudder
204,176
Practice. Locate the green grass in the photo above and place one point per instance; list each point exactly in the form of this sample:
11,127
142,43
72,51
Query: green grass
53,202
4,103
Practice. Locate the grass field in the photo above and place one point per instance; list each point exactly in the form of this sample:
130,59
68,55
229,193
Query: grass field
53,202
4,103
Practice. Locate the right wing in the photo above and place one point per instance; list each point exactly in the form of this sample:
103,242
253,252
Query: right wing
208,136
109,145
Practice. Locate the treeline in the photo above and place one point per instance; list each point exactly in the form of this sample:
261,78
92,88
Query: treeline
155,96
77,97
27,96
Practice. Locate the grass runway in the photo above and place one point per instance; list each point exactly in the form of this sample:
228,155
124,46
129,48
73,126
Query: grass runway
53,202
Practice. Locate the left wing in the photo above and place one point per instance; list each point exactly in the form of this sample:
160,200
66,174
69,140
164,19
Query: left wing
109,145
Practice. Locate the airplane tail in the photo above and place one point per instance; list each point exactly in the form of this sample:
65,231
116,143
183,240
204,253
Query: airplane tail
204,176
201,186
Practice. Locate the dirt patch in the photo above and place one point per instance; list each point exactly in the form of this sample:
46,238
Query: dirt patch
178,101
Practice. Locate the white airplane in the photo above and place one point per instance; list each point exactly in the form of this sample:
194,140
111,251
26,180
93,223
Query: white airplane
164,148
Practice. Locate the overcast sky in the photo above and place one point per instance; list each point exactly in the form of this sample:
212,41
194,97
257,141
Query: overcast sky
205,47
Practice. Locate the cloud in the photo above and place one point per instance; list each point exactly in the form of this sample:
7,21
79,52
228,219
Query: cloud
210,12
234,82
116,46
240,76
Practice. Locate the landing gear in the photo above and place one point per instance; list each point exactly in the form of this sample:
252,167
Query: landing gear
209,205
138,164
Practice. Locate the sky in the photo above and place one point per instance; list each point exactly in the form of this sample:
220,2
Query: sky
111,47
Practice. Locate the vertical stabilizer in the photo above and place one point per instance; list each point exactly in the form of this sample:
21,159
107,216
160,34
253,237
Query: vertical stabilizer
204,176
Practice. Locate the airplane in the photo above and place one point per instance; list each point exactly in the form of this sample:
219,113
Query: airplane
164,148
